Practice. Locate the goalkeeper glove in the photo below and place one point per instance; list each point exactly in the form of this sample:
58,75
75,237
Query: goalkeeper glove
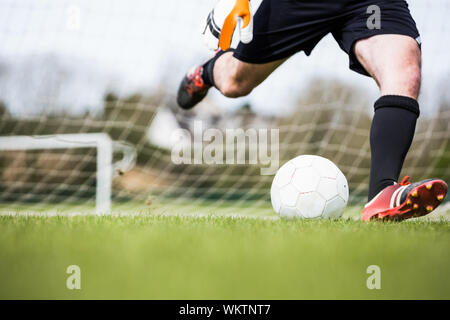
222,22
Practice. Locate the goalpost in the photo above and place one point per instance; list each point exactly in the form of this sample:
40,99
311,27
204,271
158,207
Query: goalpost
100,141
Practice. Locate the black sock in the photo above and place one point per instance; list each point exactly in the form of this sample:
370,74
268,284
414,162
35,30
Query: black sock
391,135
208,67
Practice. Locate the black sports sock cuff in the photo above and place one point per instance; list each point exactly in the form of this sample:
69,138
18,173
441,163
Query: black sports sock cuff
208,67
402,102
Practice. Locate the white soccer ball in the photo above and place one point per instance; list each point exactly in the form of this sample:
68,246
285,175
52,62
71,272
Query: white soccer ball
309,187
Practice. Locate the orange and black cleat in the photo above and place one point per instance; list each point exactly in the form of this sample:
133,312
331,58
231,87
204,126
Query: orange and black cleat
405,200
192,89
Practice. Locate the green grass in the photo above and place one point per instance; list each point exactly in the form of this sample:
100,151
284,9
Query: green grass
172,257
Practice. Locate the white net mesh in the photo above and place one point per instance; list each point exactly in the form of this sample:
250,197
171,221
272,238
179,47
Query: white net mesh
113,66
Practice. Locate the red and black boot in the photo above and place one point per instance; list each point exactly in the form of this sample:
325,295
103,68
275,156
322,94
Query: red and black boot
405,200
192,89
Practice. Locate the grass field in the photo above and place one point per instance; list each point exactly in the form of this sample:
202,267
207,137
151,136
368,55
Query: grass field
216,257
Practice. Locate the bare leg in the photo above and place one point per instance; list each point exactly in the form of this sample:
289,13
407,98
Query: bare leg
394,61
234,78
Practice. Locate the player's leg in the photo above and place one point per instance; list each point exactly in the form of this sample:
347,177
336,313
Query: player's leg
390,53
274,40
394,61
232,77
235,78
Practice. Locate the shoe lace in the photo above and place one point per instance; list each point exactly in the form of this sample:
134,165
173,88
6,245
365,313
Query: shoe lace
405,181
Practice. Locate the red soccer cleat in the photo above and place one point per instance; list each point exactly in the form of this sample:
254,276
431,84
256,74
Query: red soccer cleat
405,200
192,89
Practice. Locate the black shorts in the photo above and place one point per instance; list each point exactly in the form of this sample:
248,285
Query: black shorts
285,27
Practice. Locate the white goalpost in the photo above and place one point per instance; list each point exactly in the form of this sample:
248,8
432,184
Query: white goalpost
100,141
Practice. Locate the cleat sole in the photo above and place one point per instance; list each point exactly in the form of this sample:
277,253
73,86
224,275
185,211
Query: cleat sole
423,199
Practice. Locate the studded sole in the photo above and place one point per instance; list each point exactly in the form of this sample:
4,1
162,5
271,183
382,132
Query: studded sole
420,201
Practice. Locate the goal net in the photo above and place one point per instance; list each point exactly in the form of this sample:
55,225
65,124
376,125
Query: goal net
113,67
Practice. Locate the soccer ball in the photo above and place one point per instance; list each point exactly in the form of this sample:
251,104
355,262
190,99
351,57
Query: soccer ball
309,187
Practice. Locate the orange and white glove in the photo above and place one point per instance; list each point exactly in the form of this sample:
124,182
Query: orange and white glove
222,22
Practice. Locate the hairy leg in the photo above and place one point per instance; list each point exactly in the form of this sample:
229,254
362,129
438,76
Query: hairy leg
394,61
234,78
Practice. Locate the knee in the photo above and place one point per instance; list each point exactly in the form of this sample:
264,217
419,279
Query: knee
394,61
234,78
413,79
404,81
233,88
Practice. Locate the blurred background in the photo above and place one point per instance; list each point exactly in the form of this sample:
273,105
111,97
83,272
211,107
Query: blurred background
113,66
